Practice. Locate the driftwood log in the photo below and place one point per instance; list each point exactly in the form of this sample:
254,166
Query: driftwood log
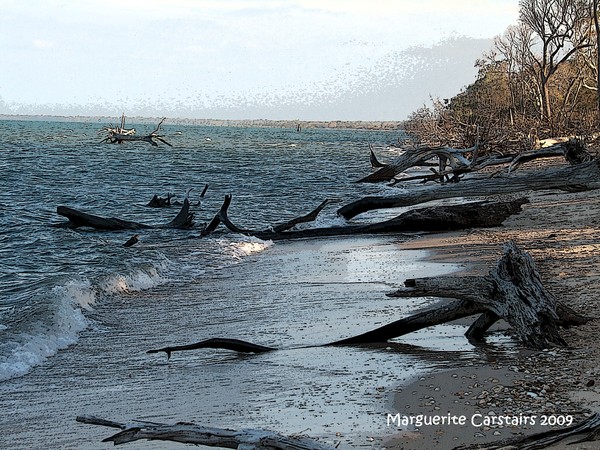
189,433
579,177
512,291
119,135
433,219
572,150
184,219
455,158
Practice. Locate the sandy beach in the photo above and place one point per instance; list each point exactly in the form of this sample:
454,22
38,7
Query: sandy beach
562,233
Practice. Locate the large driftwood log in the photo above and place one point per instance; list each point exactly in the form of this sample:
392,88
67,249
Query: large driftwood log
512,291
81,219
433,219
417,157
573,150
189,433
571,178
184,219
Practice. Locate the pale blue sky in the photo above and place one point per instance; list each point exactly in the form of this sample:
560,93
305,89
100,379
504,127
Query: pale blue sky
227,58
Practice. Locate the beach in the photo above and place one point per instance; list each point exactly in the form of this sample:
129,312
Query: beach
561,231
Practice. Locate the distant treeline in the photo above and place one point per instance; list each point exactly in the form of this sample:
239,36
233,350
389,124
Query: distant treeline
293,124
539,80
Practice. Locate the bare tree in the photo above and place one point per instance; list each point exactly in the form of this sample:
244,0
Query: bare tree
556,25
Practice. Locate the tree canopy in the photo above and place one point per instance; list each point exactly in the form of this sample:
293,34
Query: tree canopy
539,80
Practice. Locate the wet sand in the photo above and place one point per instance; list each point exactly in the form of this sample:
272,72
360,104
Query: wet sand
291,296
562,233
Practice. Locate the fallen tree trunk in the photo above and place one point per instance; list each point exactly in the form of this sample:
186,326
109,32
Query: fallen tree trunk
184,219
81,219
572,150
433,219
571,178
418,157
189,433
512,291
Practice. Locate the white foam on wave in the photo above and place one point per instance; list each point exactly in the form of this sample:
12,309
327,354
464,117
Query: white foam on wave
25,349
135,281
28,343
249,246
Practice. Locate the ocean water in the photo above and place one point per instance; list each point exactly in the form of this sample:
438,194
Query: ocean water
78,310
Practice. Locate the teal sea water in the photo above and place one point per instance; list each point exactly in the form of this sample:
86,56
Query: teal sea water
78,310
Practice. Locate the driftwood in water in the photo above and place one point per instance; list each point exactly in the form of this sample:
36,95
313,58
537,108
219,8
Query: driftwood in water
119,135
512,291
374,162
81,219
189,433
228,344
570,178
222,217
159,202
434,219
589,427
184,219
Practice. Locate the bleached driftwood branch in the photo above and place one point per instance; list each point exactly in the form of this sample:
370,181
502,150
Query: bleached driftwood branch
189,433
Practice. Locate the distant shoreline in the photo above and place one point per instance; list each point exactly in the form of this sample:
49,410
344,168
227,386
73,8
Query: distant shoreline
242,123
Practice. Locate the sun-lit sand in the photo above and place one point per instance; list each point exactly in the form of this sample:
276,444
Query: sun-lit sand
562,233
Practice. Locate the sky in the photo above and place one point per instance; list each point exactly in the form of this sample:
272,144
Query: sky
241,59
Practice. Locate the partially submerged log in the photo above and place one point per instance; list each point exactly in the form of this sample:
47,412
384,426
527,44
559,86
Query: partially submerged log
374,162
159,202
119,135
77,219
235,345
512,291
81,219
190,433
433,219
580,177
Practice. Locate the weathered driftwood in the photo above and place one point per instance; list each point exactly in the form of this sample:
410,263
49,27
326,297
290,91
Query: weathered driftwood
227,344
160,202
589,427
512,291
222,217
580,177
374,162
417,157
81,219
433,219
119,135
189,433
572,150
184,219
